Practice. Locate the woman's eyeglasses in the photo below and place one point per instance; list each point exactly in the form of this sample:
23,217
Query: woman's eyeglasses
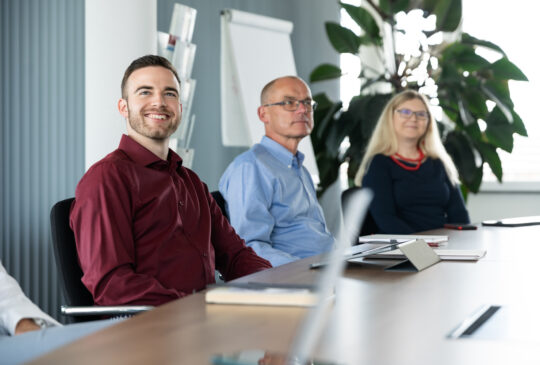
408,113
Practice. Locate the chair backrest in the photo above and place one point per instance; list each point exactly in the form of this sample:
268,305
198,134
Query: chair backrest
65,252
369,226
220,202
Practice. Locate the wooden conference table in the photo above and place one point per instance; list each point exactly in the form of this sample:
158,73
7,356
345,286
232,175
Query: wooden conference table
378,317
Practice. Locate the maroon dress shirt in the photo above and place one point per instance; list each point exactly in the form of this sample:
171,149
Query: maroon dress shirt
148,231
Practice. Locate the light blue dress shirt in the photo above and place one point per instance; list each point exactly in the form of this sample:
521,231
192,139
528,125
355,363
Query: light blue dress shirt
272,204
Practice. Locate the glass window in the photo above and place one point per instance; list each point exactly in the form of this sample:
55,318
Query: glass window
510,26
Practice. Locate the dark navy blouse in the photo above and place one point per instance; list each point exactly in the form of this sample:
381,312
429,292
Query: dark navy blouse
412,201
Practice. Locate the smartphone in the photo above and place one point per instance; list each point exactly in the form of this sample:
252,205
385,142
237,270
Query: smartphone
460,227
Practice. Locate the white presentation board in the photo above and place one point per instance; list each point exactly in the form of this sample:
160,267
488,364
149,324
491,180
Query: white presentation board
255,49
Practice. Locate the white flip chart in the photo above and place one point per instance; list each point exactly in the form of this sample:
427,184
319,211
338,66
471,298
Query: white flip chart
255,49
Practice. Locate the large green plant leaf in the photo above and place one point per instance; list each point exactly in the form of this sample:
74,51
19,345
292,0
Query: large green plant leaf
519,127
329,132
342,39
460,148
501,89
325,71
499,130
323,102
363,114
464,112
464,58
490,155
352,170
449,74
391,7
474,132
366,110
468,163
451,110
328,171
506,70
365,20
335,137
499,95
324,117
429,5
327,159
474,181
468,39
476,100
448,14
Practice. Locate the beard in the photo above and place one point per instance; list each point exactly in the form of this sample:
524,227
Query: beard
161,131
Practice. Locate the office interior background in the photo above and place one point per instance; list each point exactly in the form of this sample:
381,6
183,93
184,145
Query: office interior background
46,111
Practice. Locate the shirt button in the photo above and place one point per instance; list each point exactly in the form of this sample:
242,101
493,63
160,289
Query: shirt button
180,204
205,255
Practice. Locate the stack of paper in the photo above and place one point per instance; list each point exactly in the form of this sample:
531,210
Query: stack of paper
444,254
432,240
263,294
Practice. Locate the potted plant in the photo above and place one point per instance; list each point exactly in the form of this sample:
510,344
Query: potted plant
477,115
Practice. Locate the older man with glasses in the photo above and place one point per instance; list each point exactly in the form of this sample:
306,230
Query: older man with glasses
270,196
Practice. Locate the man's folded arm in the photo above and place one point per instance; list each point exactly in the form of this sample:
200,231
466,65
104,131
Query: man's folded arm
123,286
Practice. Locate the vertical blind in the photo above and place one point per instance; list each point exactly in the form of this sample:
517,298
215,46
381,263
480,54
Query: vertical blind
42,133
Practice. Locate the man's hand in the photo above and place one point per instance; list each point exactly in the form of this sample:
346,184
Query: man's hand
26,325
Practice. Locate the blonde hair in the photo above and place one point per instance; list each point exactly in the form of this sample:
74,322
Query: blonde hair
384,140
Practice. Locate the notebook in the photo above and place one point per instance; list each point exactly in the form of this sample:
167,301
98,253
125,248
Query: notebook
263,294
444,254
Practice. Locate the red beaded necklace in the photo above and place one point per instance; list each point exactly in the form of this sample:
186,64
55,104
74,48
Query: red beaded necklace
417,161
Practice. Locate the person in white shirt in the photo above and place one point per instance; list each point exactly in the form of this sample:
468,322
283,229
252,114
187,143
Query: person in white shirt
27,332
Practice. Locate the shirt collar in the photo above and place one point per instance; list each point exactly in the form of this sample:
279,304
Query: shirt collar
282,154
142,156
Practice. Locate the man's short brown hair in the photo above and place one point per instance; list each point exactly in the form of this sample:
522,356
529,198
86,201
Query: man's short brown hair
146,61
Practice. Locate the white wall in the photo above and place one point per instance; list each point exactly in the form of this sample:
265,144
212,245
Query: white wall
116,32
504,200
310,47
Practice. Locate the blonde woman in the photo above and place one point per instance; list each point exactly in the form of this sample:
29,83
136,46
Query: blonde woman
414,180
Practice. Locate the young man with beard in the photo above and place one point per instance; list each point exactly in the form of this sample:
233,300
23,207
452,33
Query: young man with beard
270,196
147,229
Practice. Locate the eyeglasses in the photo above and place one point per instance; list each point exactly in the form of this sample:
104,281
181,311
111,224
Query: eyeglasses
407,113
292,105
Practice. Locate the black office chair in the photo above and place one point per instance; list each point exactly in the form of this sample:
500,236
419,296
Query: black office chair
80,301
368,227
220,202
